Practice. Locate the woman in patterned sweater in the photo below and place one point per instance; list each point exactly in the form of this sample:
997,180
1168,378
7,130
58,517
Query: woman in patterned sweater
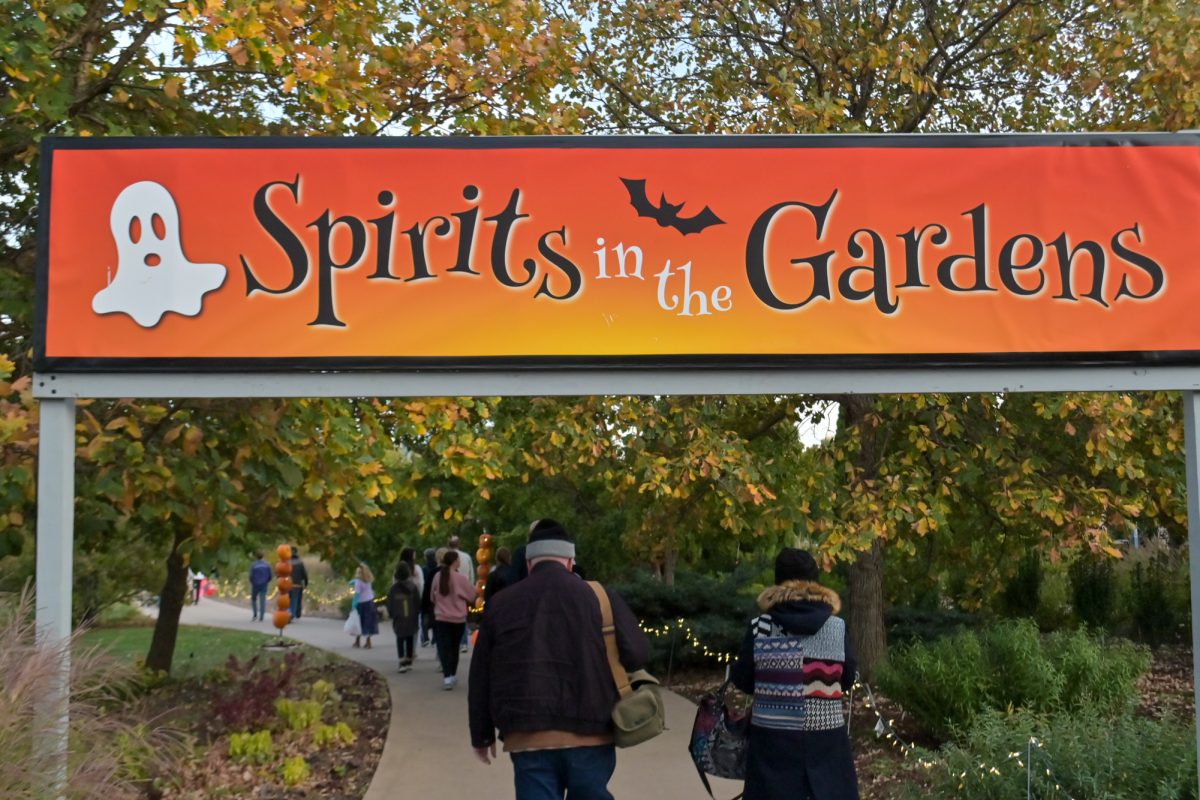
796,662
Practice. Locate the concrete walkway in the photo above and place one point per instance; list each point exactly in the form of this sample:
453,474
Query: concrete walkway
428,750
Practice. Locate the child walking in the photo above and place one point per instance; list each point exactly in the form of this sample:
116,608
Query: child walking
404,605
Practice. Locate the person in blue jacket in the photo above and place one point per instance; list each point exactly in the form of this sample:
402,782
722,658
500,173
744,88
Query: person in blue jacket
260,581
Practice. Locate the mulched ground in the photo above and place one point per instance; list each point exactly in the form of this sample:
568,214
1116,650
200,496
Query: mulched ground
199,739
882,765
1166,688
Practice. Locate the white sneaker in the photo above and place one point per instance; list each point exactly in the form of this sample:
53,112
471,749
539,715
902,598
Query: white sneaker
448,683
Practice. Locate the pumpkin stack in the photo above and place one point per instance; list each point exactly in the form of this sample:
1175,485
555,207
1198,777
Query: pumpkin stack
484,557
283,597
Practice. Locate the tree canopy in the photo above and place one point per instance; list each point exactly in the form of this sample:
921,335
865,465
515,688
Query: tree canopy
669,482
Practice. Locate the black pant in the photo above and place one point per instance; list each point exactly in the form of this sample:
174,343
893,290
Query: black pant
404,648
297,597
448,636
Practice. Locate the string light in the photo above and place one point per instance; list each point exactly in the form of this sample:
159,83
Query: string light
884,728
681,628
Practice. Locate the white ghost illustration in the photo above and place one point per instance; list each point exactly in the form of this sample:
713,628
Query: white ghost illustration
153,275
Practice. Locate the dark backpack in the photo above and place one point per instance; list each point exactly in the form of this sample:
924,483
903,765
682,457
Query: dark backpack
719,739
399,601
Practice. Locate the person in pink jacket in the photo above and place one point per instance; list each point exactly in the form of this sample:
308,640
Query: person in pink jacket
452,593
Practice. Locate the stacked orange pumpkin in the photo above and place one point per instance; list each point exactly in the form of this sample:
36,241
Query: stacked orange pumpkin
484,557
283,598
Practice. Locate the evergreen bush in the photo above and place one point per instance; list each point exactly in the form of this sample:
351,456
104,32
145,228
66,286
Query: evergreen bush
716,609
946,683
1094,590
1021,595
1158,610
906,625
1084,755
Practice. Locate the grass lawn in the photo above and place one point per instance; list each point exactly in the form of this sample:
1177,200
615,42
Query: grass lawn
198,649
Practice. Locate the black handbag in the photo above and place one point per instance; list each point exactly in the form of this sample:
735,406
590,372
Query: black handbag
720,739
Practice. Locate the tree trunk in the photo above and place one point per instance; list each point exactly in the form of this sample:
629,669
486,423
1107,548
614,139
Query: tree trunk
669,561
170,606
868,637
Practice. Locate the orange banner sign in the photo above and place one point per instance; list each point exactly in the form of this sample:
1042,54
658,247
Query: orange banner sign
531,252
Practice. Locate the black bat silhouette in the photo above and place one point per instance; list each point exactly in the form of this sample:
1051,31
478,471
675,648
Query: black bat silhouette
666,214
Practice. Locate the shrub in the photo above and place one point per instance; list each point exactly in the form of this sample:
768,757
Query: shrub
945,684
1104,678
1094,590
1158,609
1084,755
717,609
942,683
122,615
1021,674
323,691
1020,596
1054,610
299,715
331,734
906,625
248,700
255,748
294,771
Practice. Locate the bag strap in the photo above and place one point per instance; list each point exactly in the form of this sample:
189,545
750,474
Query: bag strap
620,676
708,786
719,695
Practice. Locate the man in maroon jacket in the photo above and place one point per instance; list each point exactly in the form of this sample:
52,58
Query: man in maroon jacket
540,675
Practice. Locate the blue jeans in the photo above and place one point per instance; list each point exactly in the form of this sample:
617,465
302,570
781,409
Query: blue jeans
297,598
258,602
576,773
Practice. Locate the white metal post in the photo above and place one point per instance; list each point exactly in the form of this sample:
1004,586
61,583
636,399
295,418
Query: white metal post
55,545
1191,414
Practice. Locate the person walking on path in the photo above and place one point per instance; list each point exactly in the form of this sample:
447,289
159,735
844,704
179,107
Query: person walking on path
260,581
501,577
299,578
364,601
452,593
409,556
403,605
196,579
465,565
431,568
540,677
796,662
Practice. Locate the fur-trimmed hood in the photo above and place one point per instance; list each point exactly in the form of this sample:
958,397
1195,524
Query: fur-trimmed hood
800,607
802,591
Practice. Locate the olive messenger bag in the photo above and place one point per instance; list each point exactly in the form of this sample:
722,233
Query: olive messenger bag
639,714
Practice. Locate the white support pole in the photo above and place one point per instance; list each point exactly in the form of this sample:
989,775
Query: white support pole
1191,414
55,545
